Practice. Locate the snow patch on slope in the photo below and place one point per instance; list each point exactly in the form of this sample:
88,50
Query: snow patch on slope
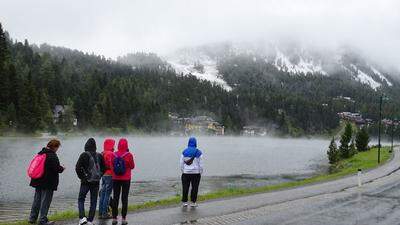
185,64
381,76
365,79
304,66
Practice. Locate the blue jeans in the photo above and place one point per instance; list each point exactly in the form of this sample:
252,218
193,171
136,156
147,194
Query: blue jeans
41,202
94,192
105,193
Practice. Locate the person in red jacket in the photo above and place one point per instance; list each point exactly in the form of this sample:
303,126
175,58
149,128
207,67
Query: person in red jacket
106,180
123,164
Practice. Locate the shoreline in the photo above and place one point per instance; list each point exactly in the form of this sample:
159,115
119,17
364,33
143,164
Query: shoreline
364,160
46,135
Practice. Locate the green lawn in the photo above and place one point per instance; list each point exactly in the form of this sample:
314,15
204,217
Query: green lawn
363,160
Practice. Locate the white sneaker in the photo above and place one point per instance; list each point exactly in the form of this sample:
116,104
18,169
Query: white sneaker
83,221
193,204
185,204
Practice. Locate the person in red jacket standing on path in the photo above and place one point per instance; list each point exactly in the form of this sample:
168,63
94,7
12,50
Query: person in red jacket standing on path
123,163
106,180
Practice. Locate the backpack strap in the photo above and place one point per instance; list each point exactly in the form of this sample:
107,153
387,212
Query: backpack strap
95,159
122,156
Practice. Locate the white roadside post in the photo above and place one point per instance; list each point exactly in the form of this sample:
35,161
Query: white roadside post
359,178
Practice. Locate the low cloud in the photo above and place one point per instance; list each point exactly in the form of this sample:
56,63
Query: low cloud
113,28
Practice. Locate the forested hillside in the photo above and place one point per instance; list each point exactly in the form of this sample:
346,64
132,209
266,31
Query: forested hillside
307,104
101,93
104,94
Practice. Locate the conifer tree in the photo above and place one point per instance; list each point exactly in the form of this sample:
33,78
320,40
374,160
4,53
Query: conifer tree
3,48
362,140
98,120
352,149
4,55
345,140
13,81
45,111
68,117
333,153
11,115
29,110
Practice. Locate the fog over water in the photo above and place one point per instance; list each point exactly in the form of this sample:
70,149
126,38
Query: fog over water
229,162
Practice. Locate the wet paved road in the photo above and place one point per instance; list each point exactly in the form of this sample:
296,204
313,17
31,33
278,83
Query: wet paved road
376,203
336,202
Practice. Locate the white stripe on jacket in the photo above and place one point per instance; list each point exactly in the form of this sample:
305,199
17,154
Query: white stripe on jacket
195,168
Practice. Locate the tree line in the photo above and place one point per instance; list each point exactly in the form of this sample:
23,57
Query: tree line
100,92
105,94
350,144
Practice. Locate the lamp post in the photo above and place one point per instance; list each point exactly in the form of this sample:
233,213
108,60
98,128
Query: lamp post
379,128
391,147
395,119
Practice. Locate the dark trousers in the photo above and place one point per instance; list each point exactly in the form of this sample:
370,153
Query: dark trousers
120,187
93,188
41,202
187,180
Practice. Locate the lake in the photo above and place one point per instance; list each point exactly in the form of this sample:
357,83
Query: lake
228,161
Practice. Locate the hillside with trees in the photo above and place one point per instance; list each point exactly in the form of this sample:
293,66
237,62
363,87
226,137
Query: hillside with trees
139,92
100,92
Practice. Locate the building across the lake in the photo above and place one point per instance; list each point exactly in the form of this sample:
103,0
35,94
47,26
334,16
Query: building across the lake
59,111
197,124
356,118
389,122
254,131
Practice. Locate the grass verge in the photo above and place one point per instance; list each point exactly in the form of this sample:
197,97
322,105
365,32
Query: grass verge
363,160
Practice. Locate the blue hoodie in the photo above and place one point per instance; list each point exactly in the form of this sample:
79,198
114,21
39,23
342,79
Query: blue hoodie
191,150
197,165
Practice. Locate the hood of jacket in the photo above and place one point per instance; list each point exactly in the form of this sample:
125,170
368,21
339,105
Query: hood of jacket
109,145
192,142
123,145
90,145
192,150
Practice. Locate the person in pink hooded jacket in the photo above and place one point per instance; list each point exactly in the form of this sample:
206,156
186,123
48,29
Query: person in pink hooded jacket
123,164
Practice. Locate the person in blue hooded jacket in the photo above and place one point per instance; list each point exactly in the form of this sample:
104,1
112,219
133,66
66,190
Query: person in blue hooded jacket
191,164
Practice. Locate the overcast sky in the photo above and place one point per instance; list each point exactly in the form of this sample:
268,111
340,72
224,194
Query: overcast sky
113,28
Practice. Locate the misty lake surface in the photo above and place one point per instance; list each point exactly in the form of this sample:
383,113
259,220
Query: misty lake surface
228,162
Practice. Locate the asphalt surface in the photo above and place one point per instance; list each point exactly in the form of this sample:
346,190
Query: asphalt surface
337,202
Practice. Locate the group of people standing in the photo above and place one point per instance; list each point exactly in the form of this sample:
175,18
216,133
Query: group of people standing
113,169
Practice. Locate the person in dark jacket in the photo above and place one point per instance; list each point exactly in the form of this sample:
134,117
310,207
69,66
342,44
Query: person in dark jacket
89,168
46,185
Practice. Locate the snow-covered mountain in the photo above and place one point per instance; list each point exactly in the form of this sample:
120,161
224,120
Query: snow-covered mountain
202,62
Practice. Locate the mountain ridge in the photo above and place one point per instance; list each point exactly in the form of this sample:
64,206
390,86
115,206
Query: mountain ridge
295,60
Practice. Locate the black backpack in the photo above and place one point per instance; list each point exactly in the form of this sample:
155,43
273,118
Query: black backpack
94,173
